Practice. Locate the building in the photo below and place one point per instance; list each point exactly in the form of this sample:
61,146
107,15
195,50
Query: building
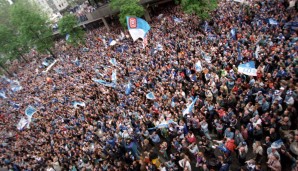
52,6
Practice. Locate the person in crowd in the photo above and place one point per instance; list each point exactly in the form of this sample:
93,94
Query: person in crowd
81,123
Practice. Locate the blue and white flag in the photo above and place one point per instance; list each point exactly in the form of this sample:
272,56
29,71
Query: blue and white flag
112,42
77,62
114,76
160,16
291,25
198,66
233,33
30,110
248,68
137,27
165,124
102,82
206,57
113,61
22,123
128,89
190,107
173,102
15,86
257,52
272,21
177,20
2,94
76,104
67,37
150,96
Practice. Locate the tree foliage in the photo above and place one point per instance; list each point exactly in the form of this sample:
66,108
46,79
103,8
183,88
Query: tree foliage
68,26
127,8
201,8
32,26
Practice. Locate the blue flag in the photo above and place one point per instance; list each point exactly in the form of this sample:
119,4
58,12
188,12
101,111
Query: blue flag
30,110
76,104
233,33
113,61
114,76
2,94
198,66
137,27
112,42
177,20
272,21
150,96
102,82
190,107
128,89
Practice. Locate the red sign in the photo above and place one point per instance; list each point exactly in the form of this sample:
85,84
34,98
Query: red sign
132,22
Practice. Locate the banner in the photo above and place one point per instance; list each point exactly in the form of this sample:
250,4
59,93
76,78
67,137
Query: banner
248,68
291,25
198,66
137,27
233,33
150,96
30,110
102,82
190,107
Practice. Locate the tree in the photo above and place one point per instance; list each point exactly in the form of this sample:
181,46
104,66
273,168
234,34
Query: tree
201,8
127,8
32,27
3,61
68,26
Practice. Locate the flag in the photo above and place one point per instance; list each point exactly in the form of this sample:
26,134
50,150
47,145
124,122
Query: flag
122,36
137,27
76,104
113,61
165,124
177,20
272,21
190,107
77,62
102,82
67,37
198,66
15,86
30,110
248,68
257,52
233,33
2,94
150,96
145,41
112,42
22,123
128,89
114,76
173,102
159,16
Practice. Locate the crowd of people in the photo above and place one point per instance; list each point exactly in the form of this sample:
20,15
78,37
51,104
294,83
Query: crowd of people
238,122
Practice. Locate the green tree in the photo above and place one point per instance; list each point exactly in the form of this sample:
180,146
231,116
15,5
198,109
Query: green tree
127,8
33,29
201,8
68,25
3,61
